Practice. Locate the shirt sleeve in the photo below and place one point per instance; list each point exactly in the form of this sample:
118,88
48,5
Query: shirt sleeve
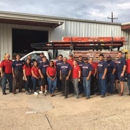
13,64
105,65
2,64
90,69
70,68
114,65
79,68
124,61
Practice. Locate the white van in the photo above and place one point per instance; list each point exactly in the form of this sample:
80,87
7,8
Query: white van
36,54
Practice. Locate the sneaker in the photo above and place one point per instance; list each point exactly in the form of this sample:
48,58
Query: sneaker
40,92
116,91
121,94
102,96
14,92
87,97
28,93
45,93
108,94
4,93
35,93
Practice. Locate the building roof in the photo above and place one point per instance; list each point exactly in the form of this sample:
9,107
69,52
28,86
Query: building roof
41,20
125,26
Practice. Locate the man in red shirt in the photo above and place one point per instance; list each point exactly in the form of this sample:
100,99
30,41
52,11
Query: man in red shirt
128,72
93,76
6,73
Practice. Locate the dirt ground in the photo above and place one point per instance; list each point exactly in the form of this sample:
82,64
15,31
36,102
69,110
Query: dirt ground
30,112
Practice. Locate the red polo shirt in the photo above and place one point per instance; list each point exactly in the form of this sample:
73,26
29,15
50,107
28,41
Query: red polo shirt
51,71
35,71
7,66
94,66
70,62
75,72
128,66
27,70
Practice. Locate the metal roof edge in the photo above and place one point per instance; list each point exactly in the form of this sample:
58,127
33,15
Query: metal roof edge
55,17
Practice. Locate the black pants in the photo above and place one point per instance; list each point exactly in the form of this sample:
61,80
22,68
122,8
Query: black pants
65,85
71,86
59,84
94,84
80,86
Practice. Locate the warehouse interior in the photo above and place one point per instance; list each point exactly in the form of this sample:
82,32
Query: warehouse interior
22,39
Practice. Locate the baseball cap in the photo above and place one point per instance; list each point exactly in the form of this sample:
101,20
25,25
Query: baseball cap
41,53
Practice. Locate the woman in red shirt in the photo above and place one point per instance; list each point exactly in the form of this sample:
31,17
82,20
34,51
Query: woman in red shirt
76,74
27,76
51,78
35,77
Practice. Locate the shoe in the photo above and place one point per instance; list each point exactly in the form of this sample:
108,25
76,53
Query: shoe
40,92
102,96
77,97
108,94
20,91
87,97
14,92
35,93
116,91
11,91
4,93
97,94
121,94
53,94
28,93
66,97
45,93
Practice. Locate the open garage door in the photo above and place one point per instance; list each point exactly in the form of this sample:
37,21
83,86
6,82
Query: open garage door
22,39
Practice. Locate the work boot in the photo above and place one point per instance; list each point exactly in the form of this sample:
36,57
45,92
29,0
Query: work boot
116,91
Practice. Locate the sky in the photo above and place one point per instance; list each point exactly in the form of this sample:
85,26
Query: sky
97,10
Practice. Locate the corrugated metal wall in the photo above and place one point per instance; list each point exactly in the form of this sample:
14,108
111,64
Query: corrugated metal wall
75,28
6,36
69,28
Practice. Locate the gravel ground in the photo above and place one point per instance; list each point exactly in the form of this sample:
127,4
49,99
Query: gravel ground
30,112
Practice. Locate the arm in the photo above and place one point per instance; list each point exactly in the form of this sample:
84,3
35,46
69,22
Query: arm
114,70
104,74
41,74
123,72
13,72
68,75
34,75
90,72
60,75
24,74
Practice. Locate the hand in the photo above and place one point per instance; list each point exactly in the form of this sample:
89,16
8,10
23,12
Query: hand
60,78
87,78
79,79
42,77
13,76
67,78
122,74
2,74
103,77
25,78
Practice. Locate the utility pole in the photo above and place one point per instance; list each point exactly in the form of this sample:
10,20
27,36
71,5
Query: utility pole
112,18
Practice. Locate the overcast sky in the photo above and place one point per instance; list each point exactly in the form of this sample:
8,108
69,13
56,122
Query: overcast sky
81,9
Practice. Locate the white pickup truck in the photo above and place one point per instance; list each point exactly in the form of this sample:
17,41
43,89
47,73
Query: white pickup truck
36,54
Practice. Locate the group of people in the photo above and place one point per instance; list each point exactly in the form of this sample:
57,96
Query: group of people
82,76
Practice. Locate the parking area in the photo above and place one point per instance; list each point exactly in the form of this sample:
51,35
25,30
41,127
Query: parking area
30,112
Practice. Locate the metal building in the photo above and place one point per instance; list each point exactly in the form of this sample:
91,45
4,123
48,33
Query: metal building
56,27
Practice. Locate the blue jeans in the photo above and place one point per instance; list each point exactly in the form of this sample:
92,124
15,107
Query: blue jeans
110,79
52,84
6,77
128,81
35,83
28,83
102,84
86,85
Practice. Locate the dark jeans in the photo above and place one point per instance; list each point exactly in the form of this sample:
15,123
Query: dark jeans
65,85
93,84
128,81
59,84
18,79
28,83
6,77
35,83
102,84
110,78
